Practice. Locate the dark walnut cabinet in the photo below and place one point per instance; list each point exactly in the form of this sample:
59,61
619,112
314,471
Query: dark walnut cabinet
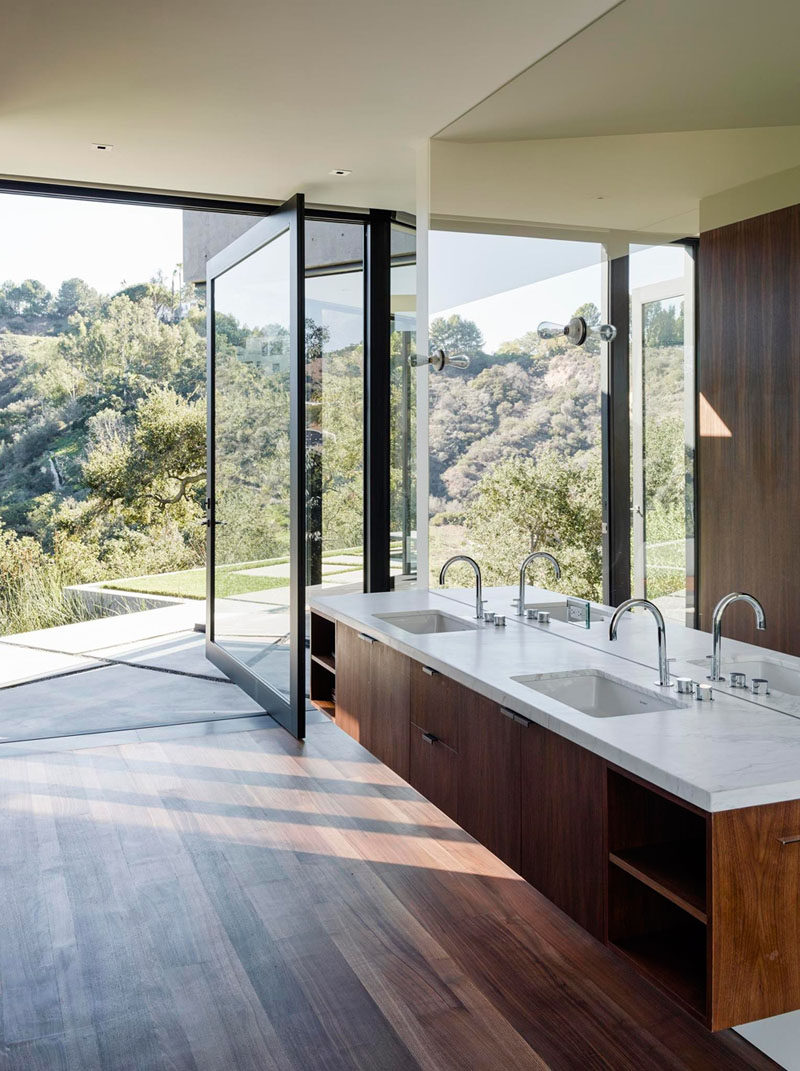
562,849
706,906
372,696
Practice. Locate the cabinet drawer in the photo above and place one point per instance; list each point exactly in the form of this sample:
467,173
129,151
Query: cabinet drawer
433,770
435,702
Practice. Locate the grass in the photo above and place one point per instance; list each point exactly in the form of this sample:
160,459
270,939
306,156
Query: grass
191,583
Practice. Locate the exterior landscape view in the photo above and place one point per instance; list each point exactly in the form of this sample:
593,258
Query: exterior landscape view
102,448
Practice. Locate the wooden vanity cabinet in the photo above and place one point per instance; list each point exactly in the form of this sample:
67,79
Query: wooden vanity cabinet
434,737
489,784
372,696
562,850
704,905
433,770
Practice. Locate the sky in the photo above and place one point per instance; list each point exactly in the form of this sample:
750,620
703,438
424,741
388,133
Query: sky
107,245
507,285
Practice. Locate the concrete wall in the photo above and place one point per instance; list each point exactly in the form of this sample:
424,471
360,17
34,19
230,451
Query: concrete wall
327,244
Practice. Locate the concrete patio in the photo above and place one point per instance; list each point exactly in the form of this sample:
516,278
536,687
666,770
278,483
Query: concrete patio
126,672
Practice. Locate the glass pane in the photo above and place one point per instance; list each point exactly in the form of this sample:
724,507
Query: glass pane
662,431
403,432
334,406
514,438
252,442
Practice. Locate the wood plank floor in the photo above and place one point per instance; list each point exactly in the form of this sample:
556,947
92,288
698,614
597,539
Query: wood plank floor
247,902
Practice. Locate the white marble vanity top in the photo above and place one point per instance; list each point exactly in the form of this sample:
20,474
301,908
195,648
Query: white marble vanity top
732,752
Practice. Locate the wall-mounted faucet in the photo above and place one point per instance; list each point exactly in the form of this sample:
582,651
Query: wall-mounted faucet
663,661
478,582
716,627
523,570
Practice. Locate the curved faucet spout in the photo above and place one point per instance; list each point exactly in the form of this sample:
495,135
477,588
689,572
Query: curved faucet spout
523,569
478,581
716,627
663,662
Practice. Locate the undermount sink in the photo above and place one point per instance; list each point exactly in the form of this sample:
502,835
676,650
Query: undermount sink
599,696
426,622
560,611
781,678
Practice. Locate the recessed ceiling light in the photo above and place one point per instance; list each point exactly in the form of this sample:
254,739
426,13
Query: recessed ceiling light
102,146
340,172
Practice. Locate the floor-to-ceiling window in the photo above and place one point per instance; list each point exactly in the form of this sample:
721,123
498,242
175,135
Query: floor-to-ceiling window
515,437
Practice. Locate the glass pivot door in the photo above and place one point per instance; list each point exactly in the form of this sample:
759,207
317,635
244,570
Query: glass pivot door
255,617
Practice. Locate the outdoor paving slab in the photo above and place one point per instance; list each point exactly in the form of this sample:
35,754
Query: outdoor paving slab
185,653
114,697
21,663
113,631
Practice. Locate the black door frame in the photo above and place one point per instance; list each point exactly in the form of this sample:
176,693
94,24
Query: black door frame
289,218
616,432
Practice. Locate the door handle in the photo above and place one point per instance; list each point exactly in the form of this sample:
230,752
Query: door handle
518,718
367,639
430,738
430,672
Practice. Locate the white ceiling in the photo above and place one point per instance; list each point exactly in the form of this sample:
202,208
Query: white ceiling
632,123
254,99
651,66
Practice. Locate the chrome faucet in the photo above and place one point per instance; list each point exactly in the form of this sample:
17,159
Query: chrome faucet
478,583
663,661
716,627
524,568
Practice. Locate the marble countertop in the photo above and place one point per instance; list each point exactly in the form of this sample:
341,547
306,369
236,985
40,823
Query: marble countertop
733,752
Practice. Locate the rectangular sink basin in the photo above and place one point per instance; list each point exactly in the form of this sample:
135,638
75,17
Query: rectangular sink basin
559,611
781,678
426,622
598,696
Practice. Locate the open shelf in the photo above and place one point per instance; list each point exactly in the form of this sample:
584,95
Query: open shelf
327,706
659,937
674,961
657,882
323,664
327,661
676,870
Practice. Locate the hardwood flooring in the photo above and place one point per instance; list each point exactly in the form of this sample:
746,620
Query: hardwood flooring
247,903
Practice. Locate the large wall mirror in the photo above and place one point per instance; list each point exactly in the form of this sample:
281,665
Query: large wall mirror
663,464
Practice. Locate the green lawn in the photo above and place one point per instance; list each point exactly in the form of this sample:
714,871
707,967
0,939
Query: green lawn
191,584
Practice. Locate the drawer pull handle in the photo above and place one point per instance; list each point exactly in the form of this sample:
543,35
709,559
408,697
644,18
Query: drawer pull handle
430,738
430,672
518,718
367,639
795,839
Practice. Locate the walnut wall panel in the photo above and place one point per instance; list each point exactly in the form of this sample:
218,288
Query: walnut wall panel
749,424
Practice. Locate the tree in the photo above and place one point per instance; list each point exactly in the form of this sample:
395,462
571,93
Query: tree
663,324
156,456
123,352
30,299
76,296
456,335
549,503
